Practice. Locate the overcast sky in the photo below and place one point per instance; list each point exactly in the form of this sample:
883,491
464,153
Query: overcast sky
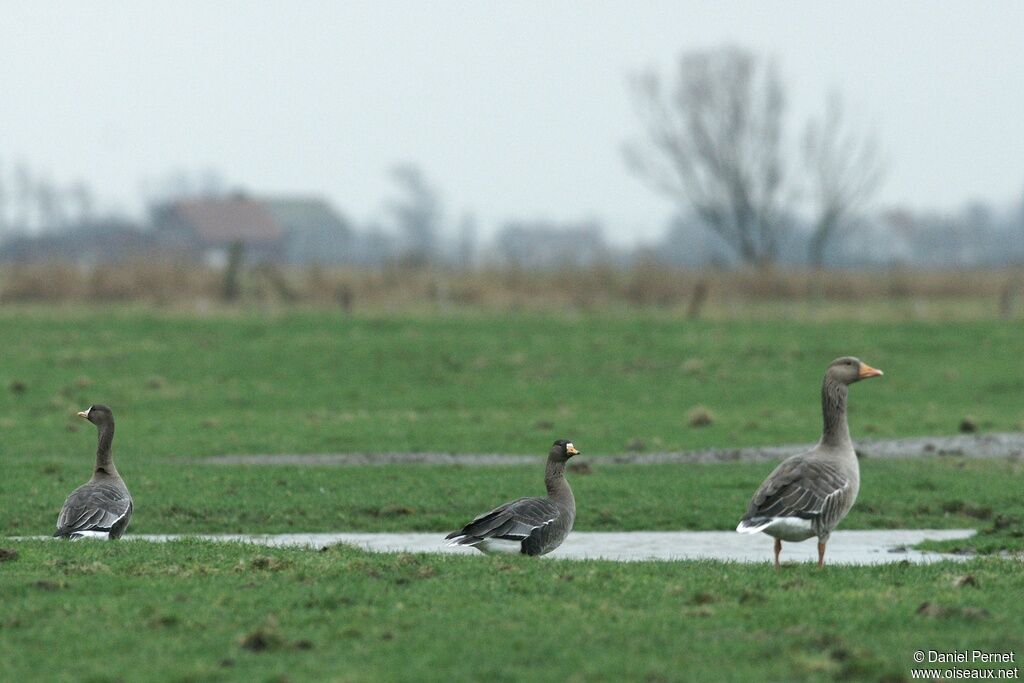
512,109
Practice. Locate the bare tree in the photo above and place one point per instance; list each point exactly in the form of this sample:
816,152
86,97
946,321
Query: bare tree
844,169
713,143
3,206
466,246
84,202
50,205
417,214
24,197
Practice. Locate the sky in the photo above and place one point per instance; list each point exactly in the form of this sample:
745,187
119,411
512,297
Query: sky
512,110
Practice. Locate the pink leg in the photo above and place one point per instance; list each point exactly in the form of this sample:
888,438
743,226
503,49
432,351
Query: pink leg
778,549
821,555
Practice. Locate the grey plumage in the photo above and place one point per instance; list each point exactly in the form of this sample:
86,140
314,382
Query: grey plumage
810,493
101,507
534,522
96,506
531,526
805,486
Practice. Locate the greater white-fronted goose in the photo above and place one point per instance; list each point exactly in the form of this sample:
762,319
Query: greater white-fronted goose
810,493
101,507
531,526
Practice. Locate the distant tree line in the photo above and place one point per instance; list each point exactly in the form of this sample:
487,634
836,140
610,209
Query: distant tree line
749,187
415,231
31,201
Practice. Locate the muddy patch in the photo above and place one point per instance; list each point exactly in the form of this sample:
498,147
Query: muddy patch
996,445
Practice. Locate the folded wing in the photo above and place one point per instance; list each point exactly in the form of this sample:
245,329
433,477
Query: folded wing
515,521
94,507
806,488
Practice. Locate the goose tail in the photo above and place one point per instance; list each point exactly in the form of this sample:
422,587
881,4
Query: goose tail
459,538
754,525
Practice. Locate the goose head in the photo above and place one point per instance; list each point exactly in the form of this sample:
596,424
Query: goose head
847,370
562,450
98,414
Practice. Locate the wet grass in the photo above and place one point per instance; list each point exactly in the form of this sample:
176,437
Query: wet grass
307,383
201,611
186,387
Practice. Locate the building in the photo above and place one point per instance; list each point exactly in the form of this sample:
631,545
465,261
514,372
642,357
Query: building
313,232
207,228
103,241
297,230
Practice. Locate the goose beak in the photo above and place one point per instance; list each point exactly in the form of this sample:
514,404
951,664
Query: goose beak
83,413
868,371
571,450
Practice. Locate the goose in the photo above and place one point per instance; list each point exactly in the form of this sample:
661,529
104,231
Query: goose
810,493
530,526
101,507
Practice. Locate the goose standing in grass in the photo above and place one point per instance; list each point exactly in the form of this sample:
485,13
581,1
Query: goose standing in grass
810,493
531,526
101,507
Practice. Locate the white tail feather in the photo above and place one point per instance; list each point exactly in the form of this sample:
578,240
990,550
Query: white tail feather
746,528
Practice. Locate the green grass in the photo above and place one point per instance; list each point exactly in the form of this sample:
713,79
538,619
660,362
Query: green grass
172,498
187,387
201,611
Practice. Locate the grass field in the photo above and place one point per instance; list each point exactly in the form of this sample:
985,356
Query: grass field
185,387
193,611
945,493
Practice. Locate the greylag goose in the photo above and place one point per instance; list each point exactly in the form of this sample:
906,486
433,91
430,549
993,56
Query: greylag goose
101,507
810,493
531,526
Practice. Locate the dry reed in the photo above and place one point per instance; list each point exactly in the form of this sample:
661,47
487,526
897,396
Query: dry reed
590,289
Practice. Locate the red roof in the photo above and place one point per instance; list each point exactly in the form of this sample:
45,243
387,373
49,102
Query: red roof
226,220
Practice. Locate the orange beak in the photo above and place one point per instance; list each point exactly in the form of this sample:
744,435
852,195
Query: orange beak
571,450
83,413
868,371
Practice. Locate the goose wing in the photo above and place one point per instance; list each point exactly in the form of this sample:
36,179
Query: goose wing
94,506
803,487
515,521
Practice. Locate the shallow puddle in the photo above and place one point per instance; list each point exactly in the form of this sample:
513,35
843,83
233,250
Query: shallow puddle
845,547
989,445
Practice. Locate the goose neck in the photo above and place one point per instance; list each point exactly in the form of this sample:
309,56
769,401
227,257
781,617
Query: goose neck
835,430
554,480
104,456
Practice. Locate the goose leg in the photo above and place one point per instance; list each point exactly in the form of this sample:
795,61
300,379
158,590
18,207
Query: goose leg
821,555
778,549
